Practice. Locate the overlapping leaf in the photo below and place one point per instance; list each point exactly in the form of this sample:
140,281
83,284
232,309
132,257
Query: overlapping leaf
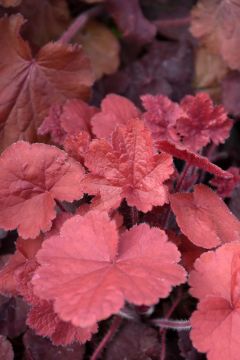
29,86
218,313
193,123
181,152
204,218
46,20
161,116
42,317
115,110
127,168
203,122
32,176
91,279
69,119
225,187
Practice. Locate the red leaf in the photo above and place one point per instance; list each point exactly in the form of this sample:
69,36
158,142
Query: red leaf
6,350
215,281
204,218
32,176
25,250
161,116
8,285
128,168
69,119
46,20
225,187
29,86
46,322
203,122
115,110
52,125
215,329
76,116
77,145
42,317
192,158
91,279
193,123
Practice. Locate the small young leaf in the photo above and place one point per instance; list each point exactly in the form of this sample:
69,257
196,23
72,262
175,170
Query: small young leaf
115,110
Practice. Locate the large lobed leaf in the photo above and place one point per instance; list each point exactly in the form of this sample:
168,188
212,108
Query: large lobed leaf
29,86
90,280
128,168
204,218
215,281
32,176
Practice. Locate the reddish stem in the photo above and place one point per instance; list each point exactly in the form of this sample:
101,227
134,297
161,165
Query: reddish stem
162,332
166,23
134,215
113,328
163,346
180,182
79,23
179,185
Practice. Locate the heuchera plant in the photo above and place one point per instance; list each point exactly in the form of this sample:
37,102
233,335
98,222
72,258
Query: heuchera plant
115,209
77,268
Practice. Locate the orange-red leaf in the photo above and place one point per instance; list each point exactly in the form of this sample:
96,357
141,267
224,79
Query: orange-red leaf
128,168
204,218
203,121
31,177
115,110
202,162
215,281
29,86
91,279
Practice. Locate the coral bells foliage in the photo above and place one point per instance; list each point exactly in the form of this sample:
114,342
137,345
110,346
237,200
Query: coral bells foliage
77,264
204,227
30,86
32,178
129,168
193,123
218,313
91,279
